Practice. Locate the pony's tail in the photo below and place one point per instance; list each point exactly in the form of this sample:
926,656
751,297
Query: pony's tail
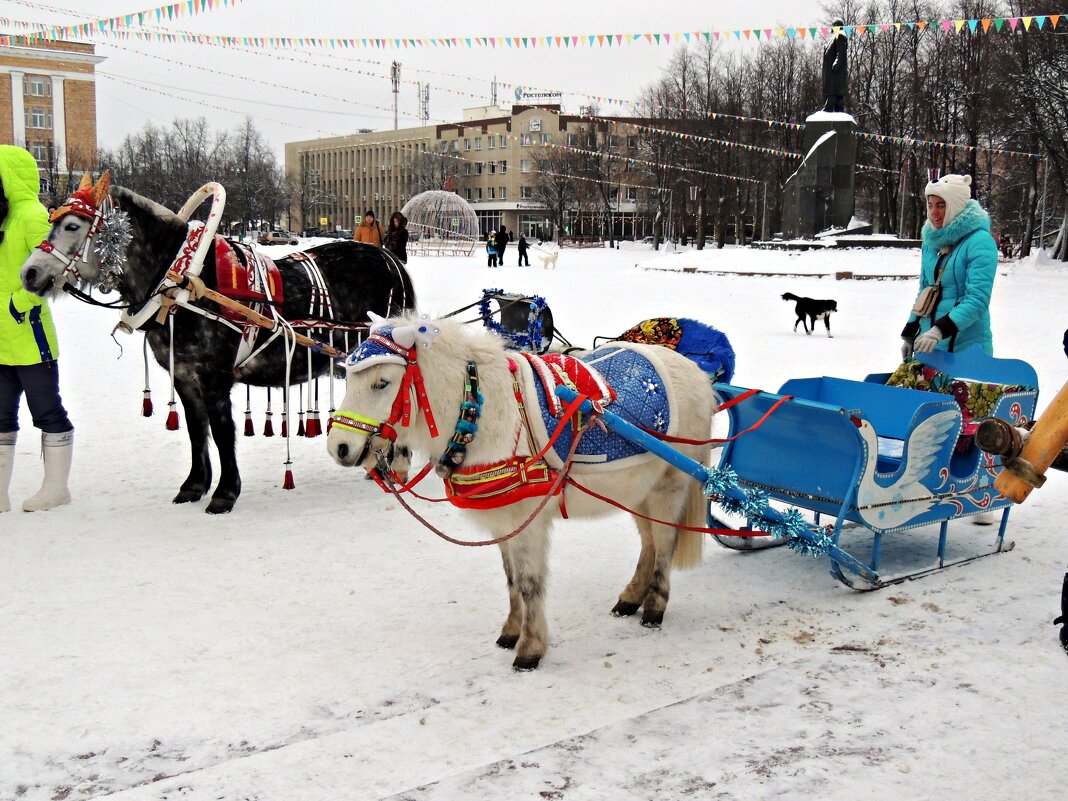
690,544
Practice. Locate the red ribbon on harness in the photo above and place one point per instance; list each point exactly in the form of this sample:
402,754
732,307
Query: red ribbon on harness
402,404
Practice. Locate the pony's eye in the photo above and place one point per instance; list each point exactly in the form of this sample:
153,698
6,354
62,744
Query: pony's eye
381,383
71,226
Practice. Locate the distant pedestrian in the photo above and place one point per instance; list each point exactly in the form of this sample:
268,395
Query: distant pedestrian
502,244
397,236
1005,243
491,249
523,257
369,231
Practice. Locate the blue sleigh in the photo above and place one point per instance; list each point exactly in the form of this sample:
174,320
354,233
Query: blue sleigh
861,454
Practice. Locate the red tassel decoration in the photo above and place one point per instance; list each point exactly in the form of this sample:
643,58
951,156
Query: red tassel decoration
146,404
300,425
268,426
172,417
287,483
250,431
315,427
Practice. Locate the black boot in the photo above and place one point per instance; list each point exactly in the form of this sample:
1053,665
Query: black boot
1062,621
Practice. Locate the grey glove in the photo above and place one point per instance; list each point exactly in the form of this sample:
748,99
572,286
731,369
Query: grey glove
906,347
928,340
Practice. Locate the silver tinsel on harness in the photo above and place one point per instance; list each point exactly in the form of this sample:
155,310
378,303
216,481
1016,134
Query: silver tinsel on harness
112,241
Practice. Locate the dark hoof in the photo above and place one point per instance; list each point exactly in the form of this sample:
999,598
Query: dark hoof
524,663
188,496
652,620
624,609
221,506
507,641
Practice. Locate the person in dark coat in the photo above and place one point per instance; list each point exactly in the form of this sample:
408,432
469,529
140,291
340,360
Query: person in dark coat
502,244
522,245
397,237
834,69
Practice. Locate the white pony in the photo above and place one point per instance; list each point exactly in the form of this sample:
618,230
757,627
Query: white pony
440,354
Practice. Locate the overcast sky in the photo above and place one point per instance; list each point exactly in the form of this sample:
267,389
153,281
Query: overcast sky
301,94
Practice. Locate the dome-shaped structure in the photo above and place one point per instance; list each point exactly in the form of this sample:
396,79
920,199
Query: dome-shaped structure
440,224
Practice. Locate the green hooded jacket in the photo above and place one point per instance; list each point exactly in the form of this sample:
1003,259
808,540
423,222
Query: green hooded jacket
27,335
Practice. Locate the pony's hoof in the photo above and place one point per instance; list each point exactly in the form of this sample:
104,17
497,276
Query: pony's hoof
188,496
523,664
507,641
220,506
652,620
624,609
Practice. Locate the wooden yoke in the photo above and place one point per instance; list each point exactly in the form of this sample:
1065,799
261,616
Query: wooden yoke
198,290
1039,451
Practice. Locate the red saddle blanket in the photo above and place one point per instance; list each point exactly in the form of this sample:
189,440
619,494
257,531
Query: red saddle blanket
238,279
555,369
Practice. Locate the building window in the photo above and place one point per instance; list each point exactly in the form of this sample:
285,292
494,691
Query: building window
632,193
467,168
546,139
492,193
492,142
38,118
614,140
525,140
478,168
468,194
500,140
467,144
502,193
478,143
524,165
39,86
632,142
40,151
492,167
572,140
503,167
478,193
526,192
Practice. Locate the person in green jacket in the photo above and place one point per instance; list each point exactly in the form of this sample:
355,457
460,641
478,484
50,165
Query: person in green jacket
28,348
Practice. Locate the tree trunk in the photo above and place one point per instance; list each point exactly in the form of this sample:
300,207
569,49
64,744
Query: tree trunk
700,233
1031,212
1059,251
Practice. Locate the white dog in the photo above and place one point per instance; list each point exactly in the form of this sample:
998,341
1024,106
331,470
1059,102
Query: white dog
548,258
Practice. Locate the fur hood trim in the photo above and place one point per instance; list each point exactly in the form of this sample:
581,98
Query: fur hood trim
971,219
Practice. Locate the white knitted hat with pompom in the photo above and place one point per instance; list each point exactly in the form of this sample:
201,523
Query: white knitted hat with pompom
956,190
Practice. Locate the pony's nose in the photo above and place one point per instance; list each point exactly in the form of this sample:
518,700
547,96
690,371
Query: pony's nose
342,451
31,274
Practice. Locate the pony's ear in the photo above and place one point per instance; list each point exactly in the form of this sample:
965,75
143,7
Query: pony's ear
87,182
100,189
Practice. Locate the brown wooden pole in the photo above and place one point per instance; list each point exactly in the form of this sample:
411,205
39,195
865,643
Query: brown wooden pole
1043,445
255,317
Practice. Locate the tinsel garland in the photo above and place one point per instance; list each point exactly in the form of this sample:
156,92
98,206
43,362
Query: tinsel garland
111,243
532,339
793,528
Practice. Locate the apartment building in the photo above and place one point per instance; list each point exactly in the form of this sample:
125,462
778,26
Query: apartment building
48,106
495,168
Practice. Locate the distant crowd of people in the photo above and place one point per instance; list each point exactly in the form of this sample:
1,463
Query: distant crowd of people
497,244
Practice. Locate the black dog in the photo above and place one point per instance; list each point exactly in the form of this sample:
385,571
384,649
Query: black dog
813,310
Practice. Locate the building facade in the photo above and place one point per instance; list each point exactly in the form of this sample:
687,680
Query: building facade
48,106
491,158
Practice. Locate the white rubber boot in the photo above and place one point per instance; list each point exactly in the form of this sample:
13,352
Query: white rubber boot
57,449
7,461
984,519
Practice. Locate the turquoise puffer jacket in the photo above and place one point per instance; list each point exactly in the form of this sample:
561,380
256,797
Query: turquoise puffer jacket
27,335
963,313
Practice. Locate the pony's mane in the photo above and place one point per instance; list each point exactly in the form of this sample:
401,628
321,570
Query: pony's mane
127,198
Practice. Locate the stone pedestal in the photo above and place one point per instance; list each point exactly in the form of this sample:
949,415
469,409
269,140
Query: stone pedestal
819,195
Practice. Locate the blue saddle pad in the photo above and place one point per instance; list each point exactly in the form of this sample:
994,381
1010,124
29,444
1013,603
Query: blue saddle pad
641,399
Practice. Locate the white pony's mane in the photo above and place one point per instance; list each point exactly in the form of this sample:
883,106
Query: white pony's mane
444,366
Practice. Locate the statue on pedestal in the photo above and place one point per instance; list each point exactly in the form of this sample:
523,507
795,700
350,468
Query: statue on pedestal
835,68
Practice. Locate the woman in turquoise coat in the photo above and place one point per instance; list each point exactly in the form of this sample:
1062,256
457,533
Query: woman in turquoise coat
957,235
28,348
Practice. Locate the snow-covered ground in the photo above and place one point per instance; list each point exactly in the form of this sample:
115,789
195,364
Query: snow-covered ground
318,644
